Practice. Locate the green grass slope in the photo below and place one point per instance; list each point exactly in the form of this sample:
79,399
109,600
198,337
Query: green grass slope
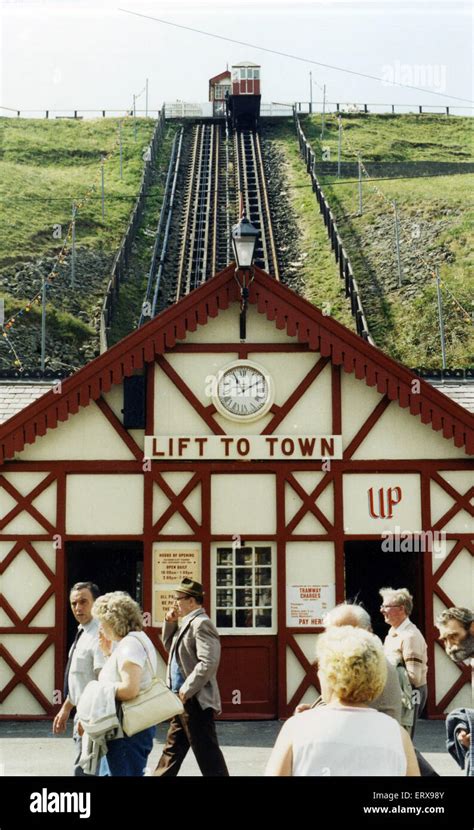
45,166
436,222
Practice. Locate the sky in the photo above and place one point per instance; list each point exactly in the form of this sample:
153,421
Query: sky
78,54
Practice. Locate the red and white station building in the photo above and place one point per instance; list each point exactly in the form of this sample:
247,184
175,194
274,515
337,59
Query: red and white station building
287,473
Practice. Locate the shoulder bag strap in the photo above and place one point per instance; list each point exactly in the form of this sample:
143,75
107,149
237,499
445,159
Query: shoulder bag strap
153,673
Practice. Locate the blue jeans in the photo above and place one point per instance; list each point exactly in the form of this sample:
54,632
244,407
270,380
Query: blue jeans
128,756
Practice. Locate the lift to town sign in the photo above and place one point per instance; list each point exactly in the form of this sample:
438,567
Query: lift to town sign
248,447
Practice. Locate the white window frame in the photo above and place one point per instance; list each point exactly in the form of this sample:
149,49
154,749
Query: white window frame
245,630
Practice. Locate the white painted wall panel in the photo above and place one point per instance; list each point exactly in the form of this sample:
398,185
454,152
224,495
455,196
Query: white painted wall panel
243,504
312,414
310,563
225,328
461,481
406,515
398,434
23,572
173,414
85,435
104,504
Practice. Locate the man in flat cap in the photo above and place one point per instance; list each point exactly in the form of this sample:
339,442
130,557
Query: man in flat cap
194,654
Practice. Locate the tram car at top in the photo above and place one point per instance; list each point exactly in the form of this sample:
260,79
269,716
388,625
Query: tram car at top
238,93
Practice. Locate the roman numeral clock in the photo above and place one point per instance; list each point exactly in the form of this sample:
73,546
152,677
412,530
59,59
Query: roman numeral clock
244,391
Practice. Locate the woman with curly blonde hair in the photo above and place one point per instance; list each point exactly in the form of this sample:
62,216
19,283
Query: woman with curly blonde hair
346,736
129,666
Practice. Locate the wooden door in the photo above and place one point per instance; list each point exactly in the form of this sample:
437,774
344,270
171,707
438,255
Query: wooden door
247,677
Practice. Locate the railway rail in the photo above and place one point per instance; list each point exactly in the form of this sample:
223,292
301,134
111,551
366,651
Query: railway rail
224,174
252,186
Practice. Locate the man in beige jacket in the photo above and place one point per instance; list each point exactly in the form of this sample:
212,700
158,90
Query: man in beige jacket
194,654
404,644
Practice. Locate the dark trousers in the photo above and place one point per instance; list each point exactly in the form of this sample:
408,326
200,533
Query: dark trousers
128,755
195,728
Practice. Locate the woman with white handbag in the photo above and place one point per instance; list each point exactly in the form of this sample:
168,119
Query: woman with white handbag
131,666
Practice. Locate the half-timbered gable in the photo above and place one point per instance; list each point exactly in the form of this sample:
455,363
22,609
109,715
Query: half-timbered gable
287,472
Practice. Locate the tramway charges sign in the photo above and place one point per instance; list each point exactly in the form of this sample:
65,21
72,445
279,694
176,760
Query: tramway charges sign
248,447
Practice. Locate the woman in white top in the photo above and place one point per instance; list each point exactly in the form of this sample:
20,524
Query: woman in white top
130,664
345,737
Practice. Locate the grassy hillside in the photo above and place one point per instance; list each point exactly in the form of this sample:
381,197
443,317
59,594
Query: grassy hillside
436,220
45,165
317,273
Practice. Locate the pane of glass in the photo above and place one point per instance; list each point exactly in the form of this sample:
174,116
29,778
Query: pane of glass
224,619
224,598
243,598
256,74
244,556
224,576
263,596
263,618
243,576
244,618
224,556
263,576
263,556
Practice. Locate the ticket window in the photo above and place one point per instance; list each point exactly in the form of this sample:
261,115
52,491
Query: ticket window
245,589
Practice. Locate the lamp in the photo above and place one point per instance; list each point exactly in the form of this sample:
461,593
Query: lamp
244,242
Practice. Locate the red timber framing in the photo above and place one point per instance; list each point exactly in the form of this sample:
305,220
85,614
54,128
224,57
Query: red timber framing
333,346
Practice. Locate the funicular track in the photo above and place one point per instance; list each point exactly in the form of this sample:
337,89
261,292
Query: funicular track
250,175
220,176
199,233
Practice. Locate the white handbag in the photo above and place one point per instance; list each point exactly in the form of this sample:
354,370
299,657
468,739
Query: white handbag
152,706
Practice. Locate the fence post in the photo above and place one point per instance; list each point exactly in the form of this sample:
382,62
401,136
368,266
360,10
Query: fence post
420,110
75,113
324,113
440,315
73,245
366,108
393,109
339,142
103,113
397,240
47,113
447,111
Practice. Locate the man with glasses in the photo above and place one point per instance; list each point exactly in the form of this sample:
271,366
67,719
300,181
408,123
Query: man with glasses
194,655
404,644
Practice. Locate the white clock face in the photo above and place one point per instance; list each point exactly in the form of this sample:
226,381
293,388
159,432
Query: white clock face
244,391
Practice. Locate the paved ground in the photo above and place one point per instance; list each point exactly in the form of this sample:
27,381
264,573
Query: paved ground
29,749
